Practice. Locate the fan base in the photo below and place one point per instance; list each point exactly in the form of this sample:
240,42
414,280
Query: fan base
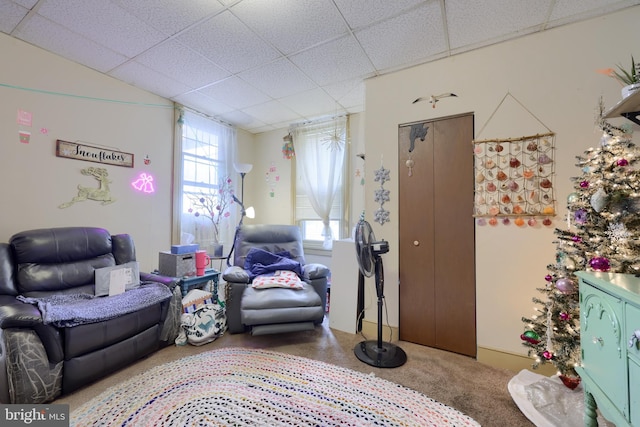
387,356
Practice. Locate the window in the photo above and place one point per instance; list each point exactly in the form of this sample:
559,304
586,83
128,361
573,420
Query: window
320,202
204,170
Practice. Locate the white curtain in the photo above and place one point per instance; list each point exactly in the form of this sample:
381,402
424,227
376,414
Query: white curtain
320,149
190,227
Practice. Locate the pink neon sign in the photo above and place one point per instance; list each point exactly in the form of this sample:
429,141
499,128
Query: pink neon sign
144,183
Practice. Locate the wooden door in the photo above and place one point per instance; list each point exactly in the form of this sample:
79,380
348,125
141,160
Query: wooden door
437,234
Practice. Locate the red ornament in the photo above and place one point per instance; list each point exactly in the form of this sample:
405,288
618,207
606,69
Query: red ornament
570,382
622,162
564,316
584,184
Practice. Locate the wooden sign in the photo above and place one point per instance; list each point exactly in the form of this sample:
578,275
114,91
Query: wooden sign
73,150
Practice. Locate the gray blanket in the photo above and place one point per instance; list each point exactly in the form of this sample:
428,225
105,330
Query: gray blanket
77,309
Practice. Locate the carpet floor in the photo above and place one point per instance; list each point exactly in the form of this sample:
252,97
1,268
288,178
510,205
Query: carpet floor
460,382
249,387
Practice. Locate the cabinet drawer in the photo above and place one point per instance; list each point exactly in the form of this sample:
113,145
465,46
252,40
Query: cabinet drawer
632,324
603,355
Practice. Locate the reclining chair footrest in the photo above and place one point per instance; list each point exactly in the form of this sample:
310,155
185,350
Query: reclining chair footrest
281,327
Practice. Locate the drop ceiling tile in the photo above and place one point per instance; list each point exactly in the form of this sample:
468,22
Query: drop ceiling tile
348,94
203,103
360,13
26,3
272,112
475,22
229,43
571,8
266,128
277,79
236,93
311,104
104,23
339,60
170,16
292,25
145,78
405,39
55,38
241,119
177,61
10,15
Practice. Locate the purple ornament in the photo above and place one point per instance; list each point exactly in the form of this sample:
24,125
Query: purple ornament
584,184
566,286
548,278
622,162
600,263
577,239
580,216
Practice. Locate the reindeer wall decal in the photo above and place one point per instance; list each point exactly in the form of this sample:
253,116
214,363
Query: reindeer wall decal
100,194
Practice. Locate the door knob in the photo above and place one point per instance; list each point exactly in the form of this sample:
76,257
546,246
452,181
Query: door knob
416,243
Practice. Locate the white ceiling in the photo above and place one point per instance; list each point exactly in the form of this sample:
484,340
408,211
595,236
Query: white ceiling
264,64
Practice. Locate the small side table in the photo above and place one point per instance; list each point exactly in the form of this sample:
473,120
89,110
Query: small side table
210,275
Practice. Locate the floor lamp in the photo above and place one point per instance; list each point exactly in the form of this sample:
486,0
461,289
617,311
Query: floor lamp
243,169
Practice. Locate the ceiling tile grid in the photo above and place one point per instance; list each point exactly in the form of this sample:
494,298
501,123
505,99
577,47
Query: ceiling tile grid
183,64
60,40
104,23
236,93
278,79
10,15
292,26
337,60
229,43
425,38
264,64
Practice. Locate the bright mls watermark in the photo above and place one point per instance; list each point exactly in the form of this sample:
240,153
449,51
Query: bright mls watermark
53,415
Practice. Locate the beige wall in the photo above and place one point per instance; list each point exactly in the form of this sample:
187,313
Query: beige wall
267,152
554,75
87,107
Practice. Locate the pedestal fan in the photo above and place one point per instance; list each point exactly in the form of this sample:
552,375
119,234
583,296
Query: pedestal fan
368,250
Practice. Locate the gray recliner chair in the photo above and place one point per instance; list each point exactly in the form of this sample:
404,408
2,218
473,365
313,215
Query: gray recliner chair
274,310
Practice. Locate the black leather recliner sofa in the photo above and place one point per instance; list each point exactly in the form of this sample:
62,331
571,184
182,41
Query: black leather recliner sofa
41,360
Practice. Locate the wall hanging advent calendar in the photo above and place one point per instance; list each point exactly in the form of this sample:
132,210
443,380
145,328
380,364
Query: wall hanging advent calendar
514,180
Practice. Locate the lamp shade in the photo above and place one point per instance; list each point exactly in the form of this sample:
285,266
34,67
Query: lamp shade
243,167
250,212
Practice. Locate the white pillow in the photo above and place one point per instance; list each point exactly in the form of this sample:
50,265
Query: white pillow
279,279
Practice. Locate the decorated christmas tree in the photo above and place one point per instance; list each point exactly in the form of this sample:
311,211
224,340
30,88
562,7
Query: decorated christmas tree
602,234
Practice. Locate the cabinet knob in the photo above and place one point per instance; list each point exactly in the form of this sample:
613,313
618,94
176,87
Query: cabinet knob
597,340
634,338
416,243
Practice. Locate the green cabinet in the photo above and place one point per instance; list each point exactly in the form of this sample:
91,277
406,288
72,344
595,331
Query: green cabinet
610,366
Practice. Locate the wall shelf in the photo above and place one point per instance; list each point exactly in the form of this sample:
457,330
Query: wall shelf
628,107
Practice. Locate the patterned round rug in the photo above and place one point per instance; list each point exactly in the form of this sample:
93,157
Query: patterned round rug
248,387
